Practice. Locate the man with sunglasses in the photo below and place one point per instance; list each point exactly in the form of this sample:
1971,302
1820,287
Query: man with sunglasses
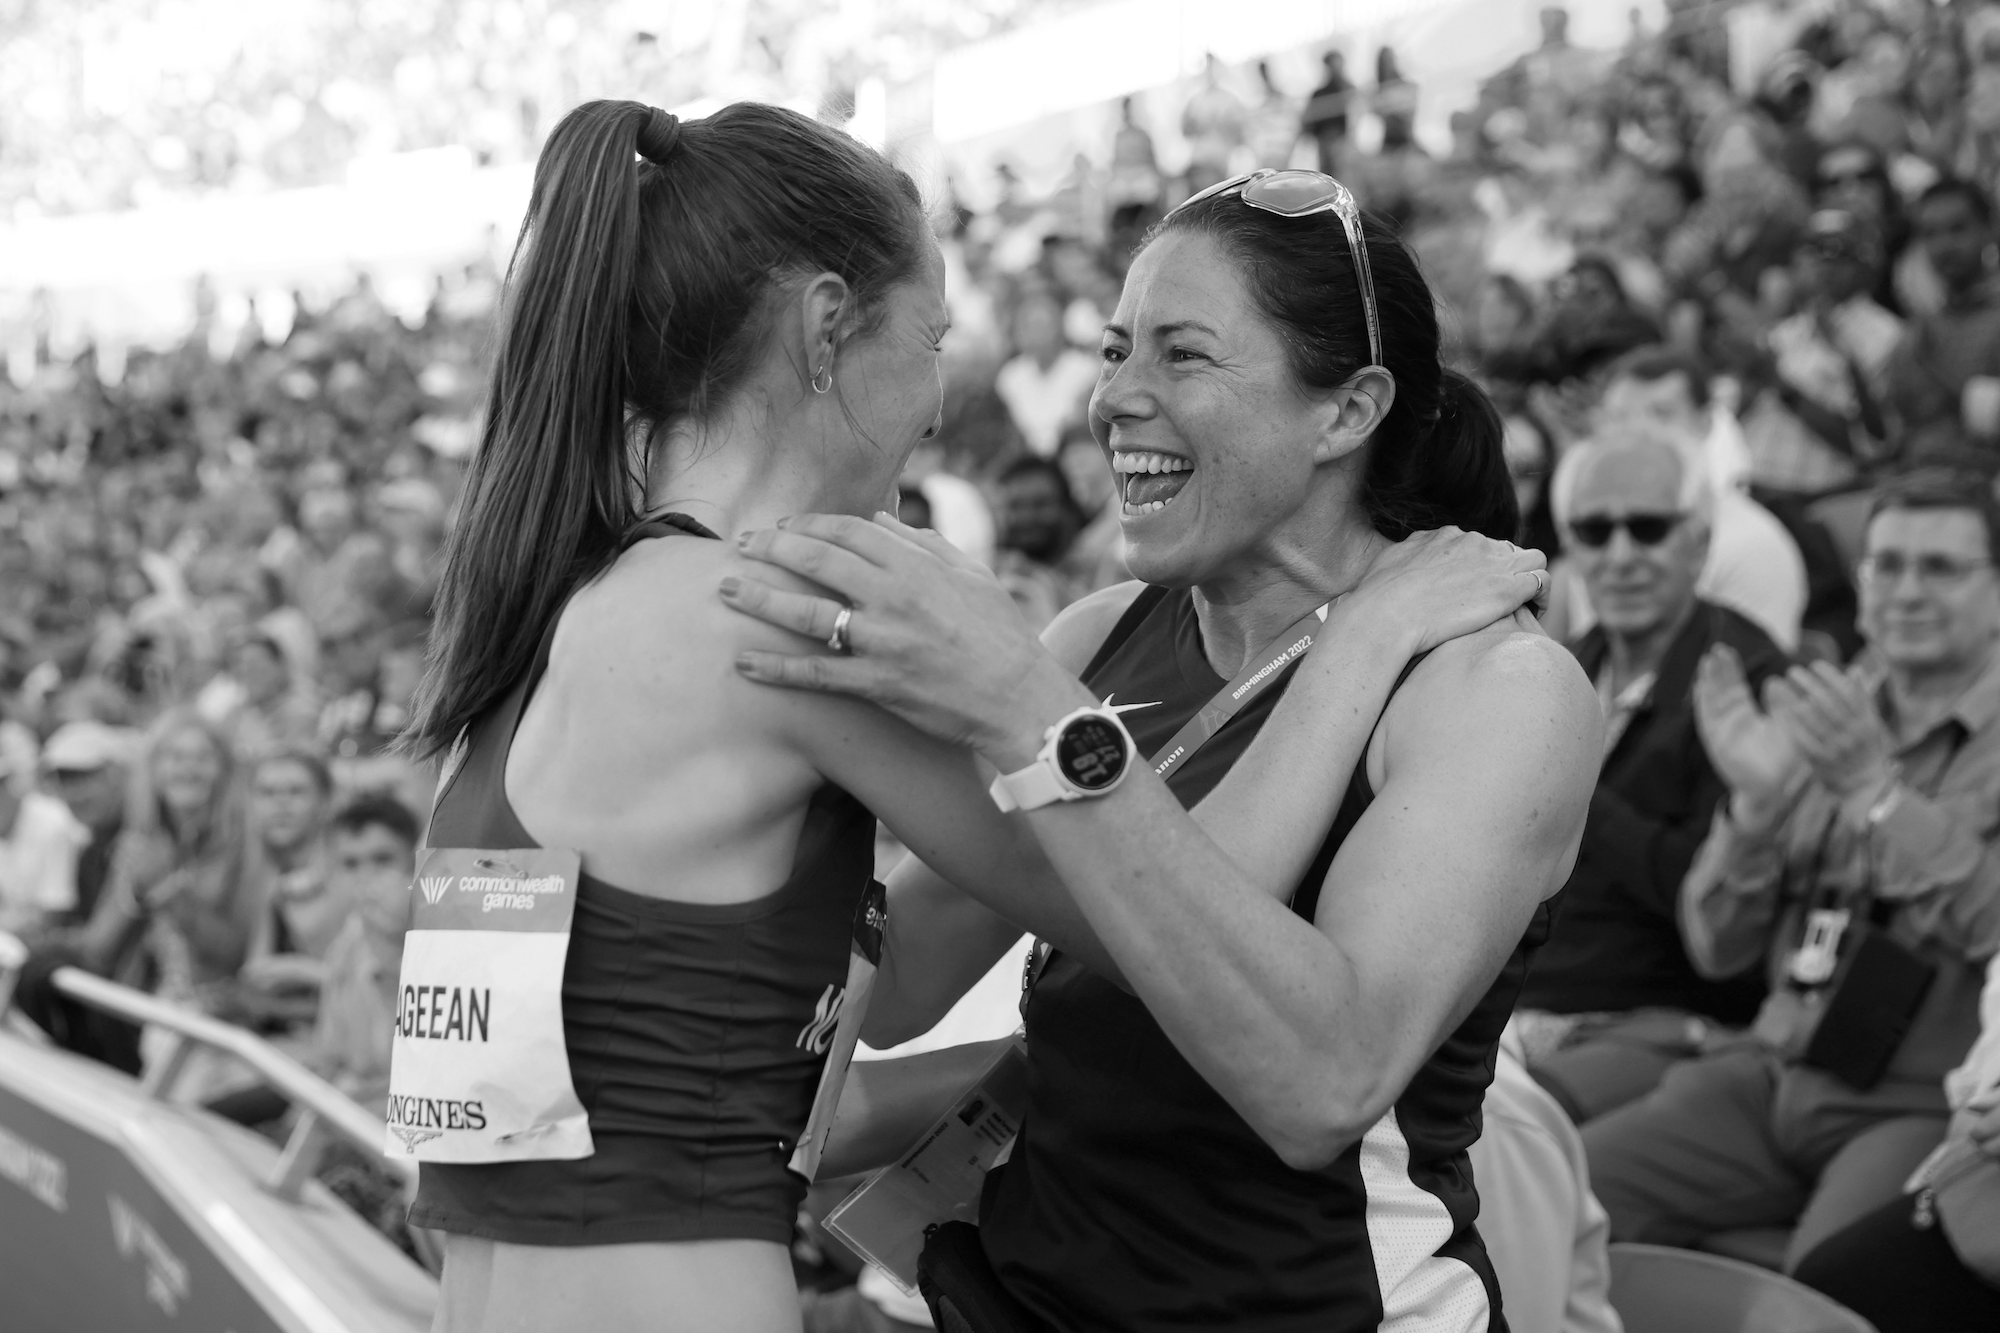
1612,1000
1659,396
1856,864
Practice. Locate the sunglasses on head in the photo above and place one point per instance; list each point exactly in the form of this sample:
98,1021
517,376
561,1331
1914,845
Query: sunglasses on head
1645,529
1299,194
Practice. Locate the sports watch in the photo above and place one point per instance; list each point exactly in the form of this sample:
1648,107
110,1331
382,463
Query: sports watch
1086,753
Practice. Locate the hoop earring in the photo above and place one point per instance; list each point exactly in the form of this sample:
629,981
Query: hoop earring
824,372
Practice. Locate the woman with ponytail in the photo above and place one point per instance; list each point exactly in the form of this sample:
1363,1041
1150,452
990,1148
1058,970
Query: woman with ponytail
1258,1048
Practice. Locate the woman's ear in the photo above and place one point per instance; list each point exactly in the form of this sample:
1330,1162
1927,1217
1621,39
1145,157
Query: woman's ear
1354,410
824,307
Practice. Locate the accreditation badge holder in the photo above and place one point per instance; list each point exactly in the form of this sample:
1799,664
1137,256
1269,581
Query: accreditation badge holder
864,957
939,1180
479,1071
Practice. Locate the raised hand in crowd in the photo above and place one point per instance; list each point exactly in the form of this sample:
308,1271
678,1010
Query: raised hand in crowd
1756,754
1831,718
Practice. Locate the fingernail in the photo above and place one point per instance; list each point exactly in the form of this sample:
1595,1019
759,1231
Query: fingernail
729,586
785,521
743,541
746,664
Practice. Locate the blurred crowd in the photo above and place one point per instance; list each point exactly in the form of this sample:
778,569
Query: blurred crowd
116,103
1733,288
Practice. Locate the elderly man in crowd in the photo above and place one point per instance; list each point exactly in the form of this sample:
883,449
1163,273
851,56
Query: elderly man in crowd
1856,858
1612,1000
1656,394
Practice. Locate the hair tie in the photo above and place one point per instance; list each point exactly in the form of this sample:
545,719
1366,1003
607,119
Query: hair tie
659,136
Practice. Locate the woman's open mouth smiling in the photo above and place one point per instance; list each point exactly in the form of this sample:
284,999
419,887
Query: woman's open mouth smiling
1150,479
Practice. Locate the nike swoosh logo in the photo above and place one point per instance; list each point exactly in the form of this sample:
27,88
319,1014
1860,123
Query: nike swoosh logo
1126,708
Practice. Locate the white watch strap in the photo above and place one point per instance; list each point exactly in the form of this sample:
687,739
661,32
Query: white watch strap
1028,788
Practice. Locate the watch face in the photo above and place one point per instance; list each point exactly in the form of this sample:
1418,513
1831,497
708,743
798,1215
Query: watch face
1091,753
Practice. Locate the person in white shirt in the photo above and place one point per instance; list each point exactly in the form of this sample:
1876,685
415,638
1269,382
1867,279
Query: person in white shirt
1047,383
1660,396
1545,1230
1820,418
40,840
958,511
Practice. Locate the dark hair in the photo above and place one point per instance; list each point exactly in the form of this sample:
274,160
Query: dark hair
1435,460
1035,466
640,294
321,775
1604,268
1941,488
1952,187
1876,170
376,809
260,639
912,507
1658,361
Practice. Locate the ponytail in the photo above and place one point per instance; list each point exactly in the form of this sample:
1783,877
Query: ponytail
1453,472
551,489
1436,458
636,297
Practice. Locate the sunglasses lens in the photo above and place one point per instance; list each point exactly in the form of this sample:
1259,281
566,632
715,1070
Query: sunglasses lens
1649,529
1646,529
1292,192
1593,532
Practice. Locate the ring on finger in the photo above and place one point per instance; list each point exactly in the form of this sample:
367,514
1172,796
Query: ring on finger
838,640
1542,581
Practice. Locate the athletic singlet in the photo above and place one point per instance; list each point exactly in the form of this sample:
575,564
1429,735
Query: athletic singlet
1136,1199
693,1029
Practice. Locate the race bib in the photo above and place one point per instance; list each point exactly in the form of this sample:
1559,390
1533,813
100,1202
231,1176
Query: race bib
479,1071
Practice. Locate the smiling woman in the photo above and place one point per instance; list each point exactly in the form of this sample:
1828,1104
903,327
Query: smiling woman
1259,1043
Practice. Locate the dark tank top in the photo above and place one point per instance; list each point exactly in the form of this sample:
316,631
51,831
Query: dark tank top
691,1028
1138,1199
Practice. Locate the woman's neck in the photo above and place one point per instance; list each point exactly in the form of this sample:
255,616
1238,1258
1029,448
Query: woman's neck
737,474
1240,613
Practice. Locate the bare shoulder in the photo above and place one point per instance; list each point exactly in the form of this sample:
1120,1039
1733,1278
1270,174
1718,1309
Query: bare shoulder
1074,636
1509,685
662,601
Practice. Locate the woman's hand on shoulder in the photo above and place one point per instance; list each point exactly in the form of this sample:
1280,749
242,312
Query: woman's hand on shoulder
930,634
1435,586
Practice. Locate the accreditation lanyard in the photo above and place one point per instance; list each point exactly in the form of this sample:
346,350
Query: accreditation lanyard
1263,672
1251,681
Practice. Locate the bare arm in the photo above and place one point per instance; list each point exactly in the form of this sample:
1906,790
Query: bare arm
1267,815
1311,1033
